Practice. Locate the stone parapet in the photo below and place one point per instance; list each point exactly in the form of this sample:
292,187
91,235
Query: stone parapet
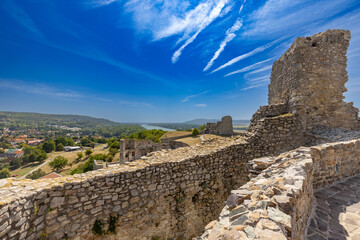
277,203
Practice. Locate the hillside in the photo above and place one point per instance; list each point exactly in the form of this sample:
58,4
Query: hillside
64,123
56,119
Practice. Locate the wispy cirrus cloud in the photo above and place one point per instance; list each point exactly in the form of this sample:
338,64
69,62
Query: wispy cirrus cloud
166,18
186,99
201,105
208,12
63,94
230,35
257,82
278,16
41,89
100,3
259,70
21,17
248,68
246,55
82,49
135,104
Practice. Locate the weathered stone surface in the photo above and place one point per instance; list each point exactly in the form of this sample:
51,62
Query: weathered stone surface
224,127
299,76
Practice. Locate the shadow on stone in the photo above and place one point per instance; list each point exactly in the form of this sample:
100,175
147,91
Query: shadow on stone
337,213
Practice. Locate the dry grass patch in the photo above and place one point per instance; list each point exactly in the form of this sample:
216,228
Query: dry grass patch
73,159
175,134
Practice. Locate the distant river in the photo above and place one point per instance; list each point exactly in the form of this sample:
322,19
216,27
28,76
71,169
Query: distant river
149,127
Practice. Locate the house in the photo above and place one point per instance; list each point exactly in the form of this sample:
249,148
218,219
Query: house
12,153
70,148
35,142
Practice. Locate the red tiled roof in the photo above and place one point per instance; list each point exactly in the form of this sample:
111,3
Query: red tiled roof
51,175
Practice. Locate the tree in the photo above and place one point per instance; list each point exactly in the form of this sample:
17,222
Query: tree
58,163
195,132
80,155
202,127
36,174
40,155
61,140
49,146
85,142
70,142
59,147
88,152
32,157
15,163
113,151
92,144
4,173
115,144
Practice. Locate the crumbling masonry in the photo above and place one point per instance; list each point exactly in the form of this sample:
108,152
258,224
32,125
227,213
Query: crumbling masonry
176,193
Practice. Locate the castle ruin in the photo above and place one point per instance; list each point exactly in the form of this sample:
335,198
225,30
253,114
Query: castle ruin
303,141
223,127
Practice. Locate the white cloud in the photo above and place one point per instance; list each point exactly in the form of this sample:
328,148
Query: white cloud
246,55
100,3
248,68
257,82
242,6
41,89
22,17
254,86
260,70
278,16
259,79
62,94
230,35
83,50
135,104
201,105
186,99
200,18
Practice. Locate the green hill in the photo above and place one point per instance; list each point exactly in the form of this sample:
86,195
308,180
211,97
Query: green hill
22,121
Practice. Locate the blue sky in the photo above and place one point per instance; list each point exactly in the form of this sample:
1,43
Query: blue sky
157,60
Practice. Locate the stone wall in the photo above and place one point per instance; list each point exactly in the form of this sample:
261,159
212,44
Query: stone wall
132,149
335,161
310,77
167,194
278,203
275,134
224,127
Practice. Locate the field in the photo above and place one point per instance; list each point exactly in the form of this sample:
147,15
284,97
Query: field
70,156
72,159
193,140
175,134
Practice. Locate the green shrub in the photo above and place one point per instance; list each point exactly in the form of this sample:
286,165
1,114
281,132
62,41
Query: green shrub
36,174
58,163
195,132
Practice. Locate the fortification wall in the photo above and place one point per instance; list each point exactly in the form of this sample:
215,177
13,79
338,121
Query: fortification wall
278,203
310,77
223,127
168,194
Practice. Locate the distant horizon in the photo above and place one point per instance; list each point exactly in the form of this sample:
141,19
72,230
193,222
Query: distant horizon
137,61
139,122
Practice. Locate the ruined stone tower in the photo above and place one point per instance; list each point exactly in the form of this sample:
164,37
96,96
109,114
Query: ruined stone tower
310,77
